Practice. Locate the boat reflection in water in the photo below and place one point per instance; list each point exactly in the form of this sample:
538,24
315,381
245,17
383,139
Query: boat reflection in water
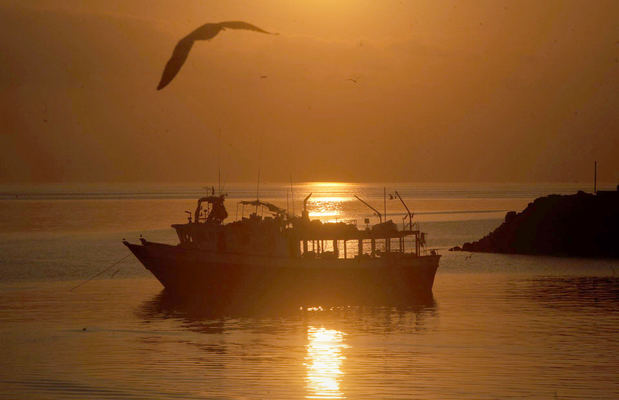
324,360
309,352
407,317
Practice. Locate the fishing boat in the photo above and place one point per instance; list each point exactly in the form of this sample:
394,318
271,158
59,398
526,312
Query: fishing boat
279,258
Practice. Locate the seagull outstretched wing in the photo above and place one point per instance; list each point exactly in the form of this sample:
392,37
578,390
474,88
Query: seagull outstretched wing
183,47
243,25
179,55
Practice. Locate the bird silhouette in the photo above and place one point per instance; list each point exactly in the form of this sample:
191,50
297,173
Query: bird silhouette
205,32
354,80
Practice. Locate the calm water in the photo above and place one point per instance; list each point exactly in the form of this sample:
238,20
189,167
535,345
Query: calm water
499,327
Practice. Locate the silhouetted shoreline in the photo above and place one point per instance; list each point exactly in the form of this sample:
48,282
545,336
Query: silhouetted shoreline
582,224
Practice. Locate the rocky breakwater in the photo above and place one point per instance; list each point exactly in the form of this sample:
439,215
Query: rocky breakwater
583,224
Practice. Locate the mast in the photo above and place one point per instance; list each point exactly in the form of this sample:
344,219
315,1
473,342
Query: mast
595,176
385,202
259,164
291,195
219,162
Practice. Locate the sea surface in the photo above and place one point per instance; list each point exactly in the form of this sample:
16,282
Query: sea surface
73,325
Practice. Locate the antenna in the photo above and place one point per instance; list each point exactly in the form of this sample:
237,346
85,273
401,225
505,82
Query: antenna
258,191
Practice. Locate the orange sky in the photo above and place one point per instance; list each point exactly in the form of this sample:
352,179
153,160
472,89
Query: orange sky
447,91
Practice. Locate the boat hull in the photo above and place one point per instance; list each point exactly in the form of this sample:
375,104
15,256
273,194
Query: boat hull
233,280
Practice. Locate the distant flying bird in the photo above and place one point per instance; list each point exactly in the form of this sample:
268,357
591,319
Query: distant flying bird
205,32
353,79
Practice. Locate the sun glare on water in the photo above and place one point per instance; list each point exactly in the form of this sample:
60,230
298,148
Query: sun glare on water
330,206
324,363
322,185
328,199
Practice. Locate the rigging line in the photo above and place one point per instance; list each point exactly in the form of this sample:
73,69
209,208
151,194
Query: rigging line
101,272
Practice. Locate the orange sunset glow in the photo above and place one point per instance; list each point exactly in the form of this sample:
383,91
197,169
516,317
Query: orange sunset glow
347,90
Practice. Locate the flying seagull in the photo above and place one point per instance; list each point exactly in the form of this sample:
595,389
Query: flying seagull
205,32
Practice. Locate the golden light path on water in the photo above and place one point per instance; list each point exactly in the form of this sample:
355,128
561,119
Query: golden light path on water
323,361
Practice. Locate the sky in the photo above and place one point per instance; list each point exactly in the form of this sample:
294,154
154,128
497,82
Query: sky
445,91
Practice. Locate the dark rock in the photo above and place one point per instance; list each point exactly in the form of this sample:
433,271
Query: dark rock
509,217
583,225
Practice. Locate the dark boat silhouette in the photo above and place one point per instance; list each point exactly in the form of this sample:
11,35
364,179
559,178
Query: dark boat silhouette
284,259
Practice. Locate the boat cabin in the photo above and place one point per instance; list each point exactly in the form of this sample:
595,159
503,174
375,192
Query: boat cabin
279,234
